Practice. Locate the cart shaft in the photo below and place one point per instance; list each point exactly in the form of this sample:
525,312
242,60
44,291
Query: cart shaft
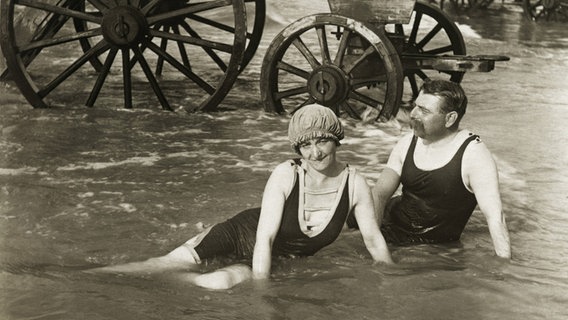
479,63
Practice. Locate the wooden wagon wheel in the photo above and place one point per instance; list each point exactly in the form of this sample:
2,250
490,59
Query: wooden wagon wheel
203,65
429,32
546,10
334,61
255,29
256,17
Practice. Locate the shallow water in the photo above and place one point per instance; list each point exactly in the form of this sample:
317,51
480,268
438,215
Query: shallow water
80,188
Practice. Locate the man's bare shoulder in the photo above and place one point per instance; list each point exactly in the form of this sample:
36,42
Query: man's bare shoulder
406,138
402,145
477,154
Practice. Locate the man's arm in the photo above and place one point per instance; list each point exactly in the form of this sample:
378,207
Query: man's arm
366,219
481,176
384,188
389,179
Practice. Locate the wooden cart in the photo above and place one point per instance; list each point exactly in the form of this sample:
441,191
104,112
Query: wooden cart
364,59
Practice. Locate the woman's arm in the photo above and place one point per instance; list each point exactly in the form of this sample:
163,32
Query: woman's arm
277,188
367,221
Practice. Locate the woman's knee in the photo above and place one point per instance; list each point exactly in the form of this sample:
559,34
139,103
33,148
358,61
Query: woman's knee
184,254
224,278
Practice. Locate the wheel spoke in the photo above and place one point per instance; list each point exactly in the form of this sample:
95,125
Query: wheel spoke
60,40
413,84
181,48
214,56
421,74
149,6
344,41
127,78
324,49
350,111
300,45
212,23
192,40
102,77
415,27
429,36
293,70
348,68
99,5
440,50
167,16
365,82
183,69
291,92
61,11
153,82
364,99
163,46
94,51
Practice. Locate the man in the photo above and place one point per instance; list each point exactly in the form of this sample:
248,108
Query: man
444,171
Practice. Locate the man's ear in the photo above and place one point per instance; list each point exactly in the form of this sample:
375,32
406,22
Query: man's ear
451,118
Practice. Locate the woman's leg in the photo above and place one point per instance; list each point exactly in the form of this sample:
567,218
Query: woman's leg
182,258
223,240
221,279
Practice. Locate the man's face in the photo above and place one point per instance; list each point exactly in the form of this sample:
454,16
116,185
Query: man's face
427,119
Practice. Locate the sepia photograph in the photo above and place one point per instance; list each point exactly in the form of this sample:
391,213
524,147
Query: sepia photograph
265,159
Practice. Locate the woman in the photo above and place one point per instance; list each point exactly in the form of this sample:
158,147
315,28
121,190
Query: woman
305,204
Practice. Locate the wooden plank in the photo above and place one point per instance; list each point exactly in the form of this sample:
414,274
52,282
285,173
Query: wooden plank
480,63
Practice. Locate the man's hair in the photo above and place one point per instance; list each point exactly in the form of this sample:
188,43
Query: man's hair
452,94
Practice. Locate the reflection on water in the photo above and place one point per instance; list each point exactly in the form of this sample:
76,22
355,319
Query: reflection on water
80,188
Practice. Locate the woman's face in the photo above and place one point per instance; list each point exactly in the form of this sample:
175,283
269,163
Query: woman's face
319,153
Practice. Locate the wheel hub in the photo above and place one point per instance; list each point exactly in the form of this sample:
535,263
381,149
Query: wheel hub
328,85
124,26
